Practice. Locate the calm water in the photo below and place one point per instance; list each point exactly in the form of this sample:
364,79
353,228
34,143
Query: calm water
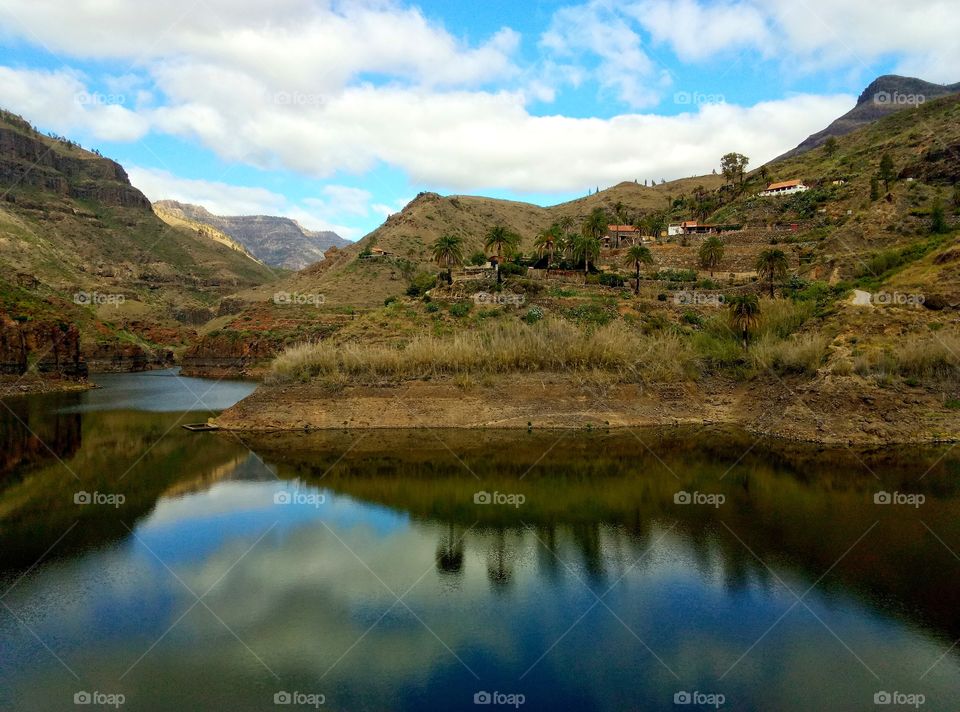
213,573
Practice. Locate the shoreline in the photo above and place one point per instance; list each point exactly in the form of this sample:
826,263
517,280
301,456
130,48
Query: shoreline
826,411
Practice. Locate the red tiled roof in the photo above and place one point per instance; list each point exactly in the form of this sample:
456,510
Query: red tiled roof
785,184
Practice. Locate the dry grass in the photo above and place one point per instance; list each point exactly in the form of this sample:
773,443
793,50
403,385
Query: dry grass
803,353
549,346
929,357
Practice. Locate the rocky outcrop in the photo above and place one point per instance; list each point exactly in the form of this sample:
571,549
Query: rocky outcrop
276,241
51,348
229,355
885,95
28,159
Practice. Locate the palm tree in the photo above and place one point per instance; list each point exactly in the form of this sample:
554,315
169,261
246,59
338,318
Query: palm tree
711,254
587,248
448,252
503,241
745,315
772,265
623,218
546,242
638,255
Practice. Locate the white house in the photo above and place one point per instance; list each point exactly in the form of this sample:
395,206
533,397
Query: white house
787,187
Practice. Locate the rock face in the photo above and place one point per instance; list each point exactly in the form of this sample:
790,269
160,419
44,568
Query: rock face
28,161
276,241
228,355
53,349
885,95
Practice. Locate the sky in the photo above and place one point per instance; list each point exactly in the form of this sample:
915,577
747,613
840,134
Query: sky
338,113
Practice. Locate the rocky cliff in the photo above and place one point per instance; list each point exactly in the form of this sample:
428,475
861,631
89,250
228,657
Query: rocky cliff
277,241
884,96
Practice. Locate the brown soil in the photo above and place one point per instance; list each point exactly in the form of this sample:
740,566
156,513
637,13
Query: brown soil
835,410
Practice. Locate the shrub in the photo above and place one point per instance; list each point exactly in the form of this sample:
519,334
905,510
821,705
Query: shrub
421,283
533,315
460,309
799,354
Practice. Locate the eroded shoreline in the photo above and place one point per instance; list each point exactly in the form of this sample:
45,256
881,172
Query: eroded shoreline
829,411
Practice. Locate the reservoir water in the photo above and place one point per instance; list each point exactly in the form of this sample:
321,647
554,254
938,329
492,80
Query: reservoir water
145,567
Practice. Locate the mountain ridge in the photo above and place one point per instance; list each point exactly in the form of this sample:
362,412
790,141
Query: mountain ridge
275,240
885,95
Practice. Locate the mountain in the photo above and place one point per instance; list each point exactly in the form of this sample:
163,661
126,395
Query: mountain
277,241
82,251
884,96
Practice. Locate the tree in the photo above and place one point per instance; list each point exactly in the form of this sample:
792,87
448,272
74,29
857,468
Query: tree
938,219
887,173
831,145
772,265
733,166
623,218
874,188
711,254
586,247
546,242
504,242
638,255
448,252
745,315
656,223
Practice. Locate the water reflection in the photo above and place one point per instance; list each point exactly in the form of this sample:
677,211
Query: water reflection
383,585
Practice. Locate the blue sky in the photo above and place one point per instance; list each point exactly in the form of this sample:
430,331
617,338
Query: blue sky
337,113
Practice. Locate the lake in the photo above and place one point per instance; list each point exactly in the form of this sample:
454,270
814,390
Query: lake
145,567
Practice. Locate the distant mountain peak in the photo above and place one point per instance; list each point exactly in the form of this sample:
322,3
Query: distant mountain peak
276,241
885,95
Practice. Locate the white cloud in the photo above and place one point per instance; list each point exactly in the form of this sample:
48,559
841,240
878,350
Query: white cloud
598,29
813,34
61,101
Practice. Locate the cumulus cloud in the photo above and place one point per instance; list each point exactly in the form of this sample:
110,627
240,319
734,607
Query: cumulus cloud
816,34
61,101
597,29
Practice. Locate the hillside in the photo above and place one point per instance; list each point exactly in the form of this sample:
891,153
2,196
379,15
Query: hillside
80,246
885,95
834,236
276,241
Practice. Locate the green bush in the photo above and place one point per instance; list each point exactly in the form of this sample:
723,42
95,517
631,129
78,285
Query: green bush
421,283
460,309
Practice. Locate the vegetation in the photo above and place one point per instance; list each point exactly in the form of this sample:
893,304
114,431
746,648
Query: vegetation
773,266
711,254
638,255
504,242
744,315
448,252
